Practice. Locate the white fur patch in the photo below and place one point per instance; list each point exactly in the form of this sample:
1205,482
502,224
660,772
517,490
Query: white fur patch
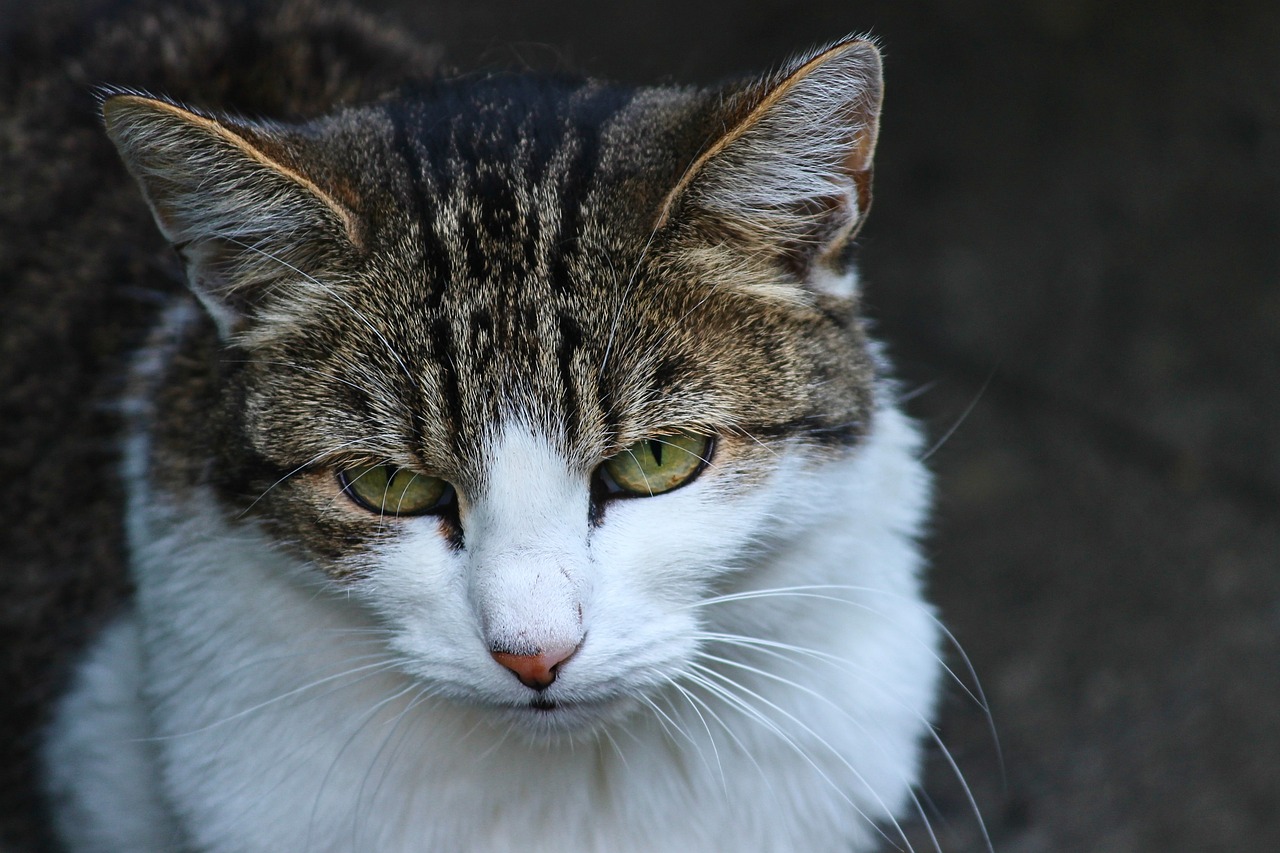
280,716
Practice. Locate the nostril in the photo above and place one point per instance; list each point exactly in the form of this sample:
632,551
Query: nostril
538,670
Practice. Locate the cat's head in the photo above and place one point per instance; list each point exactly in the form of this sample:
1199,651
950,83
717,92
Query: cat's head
528,368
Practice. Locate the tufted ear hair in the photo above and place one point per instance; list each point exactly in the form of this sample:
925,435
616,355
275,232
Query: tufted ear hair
789,182
230,197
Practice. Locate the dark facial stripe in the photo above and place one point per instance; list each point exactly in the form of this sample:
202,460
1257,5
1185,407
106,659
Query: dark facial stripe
441,336
433,252
816,428
670,369
582,141
483,341
570,400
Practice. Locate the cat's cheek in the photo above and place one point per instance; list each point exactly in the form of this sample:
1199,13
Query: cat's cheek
656,558
415,572
415,585
682,539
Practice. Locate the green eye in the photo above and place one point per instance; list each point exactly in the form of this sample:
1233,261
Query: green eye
394,491
656,465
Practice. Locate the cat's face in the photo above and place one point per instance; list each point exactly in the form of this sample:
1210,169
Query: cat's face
528,373
537,483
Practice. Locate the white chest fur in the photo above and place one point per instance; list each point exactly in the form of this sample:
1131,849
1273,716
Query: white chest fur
239,708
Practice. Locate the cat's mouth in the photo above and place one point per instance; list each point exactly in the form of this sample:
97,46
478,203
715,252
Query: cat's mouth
547,707
570,714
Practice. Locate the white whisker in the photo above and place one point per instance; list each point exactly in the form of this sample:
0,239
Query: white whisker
669,725
422,693
607,735
694,703
818,591
626,295
797,721
313,461
722,690
332,292
370,670
365,719
964,416
772,648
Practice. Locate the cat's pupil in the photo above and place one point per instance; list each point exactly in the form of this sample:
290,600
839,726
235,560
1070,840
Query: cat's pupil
655,447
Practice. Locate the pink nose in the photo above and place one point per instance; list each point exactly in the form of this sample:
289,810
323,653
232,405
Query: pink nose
536,671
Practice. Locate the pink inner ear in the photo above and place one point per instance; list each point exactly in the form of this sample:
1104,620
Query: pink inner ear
860,152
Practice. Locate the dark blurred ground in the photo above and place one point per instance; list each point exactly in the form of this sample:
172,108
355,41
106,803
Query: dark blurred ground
1076,241
1076,230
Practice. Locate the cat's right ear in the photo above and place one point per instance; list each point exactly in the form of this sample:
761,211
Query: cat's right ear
230,197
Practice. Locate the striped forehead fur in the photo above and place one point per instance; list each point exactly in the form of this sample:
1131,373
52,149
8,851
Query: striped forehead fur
511,265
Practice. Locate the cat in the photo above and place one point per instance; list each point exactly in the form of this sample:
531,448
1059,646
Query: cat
514,472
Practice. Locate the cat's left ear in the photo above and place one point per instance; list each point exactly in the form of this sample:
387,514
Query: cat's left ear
233,199
780,195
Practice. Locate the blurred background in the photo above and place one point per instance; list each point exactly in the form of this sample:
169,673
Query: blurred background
1074,256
